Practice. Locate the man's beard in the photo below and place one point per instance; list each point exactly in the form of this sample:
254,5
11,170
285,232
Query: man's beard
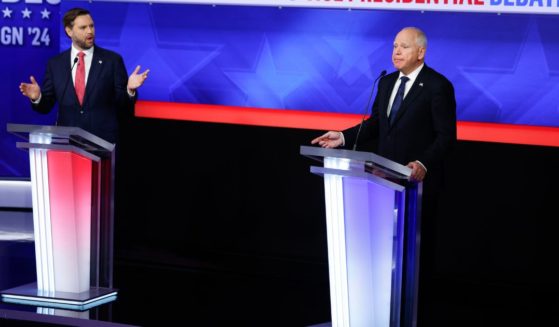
83,45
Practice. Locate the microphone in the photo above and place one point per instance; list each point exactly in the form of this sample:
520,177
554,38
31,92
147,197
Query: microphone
367,108
65,87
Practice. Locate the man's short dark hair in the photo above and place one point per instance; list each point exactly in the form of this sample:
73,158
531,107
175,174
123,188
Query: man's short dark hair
71,15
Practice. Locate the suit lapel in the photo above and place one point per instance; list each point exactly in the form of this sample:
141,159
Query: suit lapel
66,68
415,90
97,64
386,96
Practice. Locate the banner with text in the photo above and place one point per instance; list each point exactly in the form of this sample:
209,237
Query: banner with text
491,6
29,36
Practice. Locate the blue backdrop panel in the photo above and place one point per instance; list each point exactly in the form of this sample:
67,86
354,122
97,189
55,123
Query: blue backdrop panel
504,67
29,35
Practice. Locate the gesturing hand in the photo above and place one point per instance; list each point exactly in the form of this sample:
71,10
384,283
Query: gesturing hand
329,140
137,79
30,90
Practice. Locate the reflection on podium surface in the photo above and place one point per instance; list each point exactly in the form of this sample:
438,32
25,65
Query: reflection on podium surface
100,315
63,312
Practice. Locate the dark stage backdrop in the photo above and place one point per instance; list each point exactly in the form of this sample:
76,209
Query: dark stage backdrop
240,199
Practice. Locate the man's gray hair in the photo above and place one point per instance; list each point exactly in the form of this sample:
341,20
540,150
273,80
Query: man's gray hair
421,38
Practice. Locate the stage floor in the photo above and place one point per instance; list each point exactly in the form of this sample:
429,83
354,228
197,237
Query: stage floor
160,288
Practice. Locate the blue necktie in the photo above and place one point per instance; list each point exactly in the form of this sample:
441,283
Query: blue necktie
398,99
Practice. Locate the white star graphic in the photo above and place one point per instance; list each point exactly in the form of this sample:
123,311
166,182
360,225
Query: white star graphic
26,13
45,14
7,12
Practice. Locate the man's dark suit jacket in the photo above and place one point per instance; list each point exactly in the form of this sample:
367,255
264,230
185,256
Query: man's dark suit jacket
424,128
106,98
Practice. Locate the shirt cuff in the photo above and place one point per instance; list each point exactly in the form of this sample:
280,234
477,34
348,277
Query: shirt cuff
422,165
343,138
38,99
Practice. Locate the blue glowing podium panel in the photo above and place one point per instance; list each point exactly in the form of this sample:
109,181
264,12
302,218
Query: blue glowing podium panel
372,219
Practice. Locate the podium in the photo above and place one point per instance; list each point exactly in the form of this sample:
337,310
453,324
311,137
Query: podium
72,181
372,224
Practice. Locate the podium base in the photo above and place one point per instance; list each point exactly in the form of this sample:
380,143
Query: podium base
29,295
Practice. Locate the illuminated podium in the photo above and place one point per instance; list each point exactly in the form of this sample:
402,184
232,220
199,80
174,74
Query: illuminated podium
372,222
72,180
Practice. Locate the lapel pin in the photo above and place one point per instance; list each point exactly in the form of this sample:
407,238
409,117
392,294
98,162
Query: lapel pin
100,61
421,84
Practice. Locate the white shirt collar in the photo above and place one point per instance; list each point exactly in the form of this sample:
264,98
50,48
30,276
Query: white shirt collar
74,53
88,60
413,75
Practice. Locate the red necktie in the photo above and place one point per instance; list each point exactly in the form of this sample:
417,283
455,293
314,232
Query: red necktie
80,78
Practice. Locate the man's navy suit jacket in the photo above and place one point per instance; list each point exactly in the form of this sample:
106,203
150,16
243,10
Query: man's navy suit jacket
424,128
106,98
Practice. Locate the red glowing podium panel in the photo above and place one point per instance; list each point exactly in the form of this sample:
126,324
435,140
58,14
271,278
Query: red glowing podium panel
72,178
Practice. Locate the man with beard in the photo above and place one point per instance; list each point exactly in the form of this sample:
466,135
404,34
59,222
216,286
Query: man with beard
102,93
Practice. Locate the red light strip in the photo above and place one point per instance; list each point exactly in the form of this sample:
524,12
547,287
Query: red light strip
467,131
508,133
245,116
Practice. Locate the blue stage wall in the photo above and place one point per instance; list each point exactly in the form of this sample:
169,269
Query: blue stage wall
504,67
